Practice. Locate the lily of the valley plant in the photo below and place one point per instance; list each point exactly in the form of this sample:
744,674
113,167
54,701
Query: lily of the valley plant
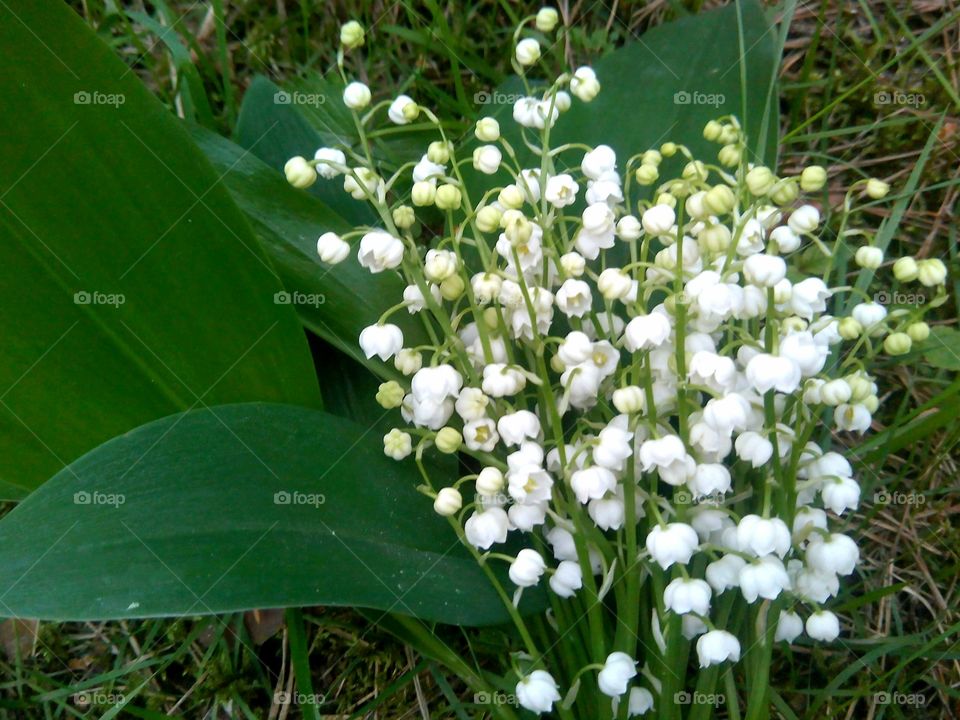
640,386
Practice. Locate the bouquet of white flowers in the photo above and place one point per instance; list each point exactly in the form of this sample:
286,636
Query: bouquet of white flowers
636,370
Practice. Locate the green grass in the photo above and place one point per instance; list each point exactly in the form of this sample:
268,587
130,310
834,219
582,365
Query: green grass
199,57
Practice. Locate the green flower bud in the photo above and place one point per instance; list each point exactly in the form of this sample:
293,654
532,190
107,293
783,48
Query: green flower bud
404,217
666,199
760,180
488,219
877,189
931,272
871,403
668,149
651,157
712,131
905,269
452,287
918,331
448,440
869,257
695,171
448,197
511,197
424,193
438,152
547,19
898,343
715,239
647,174
299,172
729,155
351,35
849,328
487,130
720,199
448,502
390,395
813,178
785,191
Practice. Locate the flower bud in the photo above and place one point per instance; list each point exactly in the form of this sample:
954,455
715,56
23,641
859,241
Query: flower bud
489,481
694,170
397,444
423,193
448,197
860,387
351,35
408,361
647,174
813,178
629,228
729,155
557,364
667,199
452,287
629,400
804,219
487,130
869,257
794,324
511,197
918,331
486,159
712,131
651,157
488,218
547,19
898,343
931,272
877,189
299,172
785,191
438,152
729,134
403,217
905,269
516,227
448,502
659,219
332,249
584,84
835,392
849,328
356,96
614,284
695,206
490,318
720,199
573,264
871,404
403,110
390,395
715,238
760,180
448,440
528,52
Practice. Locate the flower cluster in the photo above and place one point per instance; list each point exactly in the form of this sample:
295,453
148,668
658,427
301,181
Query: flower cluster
638,357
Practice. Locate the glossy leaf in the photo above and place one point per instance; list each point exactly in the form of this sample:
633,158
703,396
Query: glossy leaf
237,507
132,286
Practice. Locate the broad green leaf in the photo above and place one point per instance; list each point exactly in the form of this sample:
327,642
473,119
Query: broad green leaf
942,348
132,286
334,302
236,507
